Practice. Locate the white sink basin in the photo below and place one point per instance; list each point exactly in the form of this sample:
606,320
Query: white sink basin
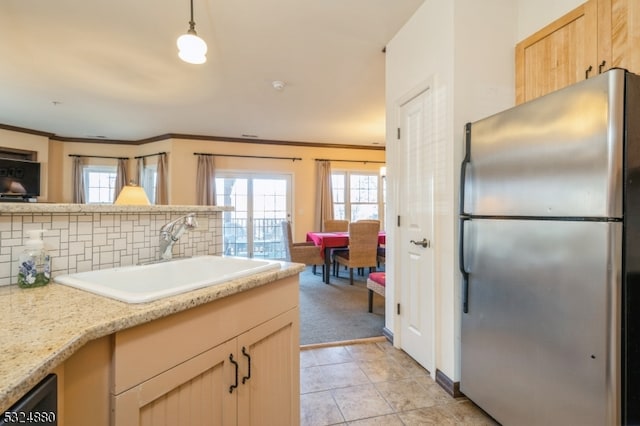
145,283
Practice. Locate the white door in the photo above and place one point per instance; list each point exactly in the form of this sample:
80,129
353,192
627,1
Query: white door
415,245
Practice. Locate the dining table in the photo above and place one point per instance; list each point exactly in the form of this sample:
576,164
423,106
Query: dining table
332,240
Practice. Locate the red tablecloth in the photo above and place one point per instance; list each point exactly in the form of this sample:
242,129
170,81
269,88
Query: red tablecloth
336,239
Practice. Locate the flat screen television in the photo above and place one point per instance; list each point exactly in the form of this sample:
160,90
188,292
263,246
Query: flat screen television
19,178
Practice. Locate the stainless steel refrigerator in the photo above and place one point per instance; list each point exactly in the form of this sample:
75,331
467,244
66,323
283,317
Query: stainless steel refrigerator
550,257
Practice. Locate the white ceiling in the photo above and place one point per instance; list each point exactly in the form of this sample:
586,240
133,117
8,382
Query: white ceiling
109,69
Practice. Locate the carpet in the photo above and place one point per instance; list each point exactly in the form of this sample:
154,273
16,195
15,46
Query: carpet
337,311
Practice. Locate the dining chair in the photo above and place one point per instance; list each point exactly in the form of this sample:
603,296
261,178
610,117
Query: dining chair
336,225
382,255
363,248
307,252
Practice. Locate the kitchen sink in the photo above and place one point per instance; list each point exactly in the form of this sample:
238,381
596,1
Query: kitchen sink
146,283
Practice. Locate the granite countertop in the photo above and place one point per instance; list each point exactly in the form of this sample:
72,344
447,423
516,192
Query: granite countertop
40,328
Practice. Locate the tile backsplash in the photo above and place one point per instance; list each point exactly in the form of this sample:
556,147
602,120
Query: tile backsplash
79,242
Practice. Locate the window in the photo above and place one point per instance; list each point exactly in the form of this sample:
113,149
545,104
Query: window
149,179
99,184
357,195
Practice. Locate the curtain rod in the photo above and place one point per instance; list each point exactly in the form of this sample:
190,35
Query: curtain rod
351,161
98,156
248,156
149,155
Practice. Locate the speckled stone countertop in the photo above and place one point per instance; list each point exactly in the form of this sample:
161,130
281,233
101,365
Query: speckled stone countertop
103,208
40,328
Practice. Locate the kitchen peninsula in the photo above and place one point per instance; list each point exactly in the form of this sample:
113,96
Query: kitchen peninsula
88,339
116,361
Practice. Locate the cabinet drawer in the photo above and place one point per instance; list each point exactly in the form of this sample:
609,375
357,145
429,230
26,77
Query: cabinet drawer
150,349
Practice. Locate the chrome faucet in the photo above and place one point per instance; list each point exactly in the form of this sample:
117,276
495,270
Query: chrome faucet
171,232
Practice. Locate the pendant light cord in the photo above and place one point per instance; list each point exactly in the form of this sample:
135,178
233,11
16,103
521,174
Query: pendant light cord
192,24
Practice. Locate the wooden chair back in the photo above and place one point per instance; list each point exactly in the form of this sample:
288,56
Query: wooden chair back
363,244
336,225
288,240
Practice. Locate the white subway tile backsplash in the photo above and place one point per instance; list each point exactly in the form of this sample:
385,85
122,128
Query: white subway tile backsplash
81,242
76,248
100,239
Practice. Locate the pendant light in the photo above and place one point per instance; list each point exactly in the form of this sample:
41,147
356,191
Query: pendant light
191,48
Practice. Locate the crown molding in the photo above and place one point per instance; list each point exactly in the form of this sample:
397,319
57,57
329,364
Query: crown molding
167,136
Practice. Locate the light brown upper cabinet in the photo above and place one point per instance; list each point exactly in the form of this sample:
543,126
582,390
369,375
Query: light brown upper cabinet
594,37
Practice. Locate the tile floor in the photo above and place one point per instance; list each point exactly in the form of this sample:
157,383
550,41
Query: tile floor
375,384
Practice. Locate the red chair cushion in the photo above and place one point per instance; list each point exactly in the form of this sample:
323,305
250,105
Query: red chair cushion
378,277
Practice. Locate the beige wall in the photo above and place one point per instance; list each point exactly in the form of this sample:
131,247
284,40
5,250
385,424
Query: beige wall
463,51
182,166
536,14
60,170
30,142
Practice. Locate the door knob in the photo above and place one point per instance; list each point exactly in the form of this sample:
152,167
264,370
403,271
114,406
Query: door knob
424,243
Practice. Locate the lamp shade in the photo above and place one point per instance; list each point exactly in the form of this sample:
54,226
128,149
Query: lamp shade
132,195
191,48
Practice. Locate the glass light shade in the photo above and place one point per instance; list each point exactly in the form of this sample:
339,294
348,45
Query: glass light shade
133,196
383,171
192,49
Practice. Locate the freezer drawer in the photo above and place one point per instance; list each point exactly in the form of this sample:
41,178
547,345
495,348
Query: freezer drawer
557,156
542,326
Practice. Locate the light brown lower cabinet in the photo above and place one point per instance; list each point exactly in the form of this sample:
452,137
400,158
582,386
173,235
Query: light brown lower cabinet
234,361
245,381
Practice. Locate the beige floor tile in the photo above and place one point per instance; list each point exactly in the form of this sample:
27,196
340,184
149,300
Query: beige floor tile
405,395
407,362
325,377
319,409
437,415
331,355
359,402
343,375
365,351
467,413
388,420
434,390
383,369
312,380
307,359
376,384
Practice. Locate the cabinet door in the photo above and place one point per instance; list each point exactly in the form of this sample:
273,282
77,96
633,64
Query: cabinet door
619,34
558,55
193,393
270,394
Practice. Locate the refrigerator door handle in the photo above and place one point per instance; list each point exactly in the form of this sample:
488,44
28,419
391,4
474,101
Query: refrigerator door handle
465,162
465,274
463,218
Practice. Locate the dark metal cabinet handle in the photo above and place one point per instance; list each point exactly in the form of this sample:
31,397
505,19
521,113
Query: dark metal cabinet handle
586,73
232,387
248,376
601,66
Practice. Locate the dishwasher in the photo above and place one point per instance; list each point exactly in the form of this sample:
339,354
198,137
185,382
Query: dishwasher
38,407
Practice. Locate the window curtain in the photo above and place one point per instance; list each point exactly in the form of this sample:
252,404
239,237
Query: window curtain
324,194
121,176
140,170
206,181
162,187
78,180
